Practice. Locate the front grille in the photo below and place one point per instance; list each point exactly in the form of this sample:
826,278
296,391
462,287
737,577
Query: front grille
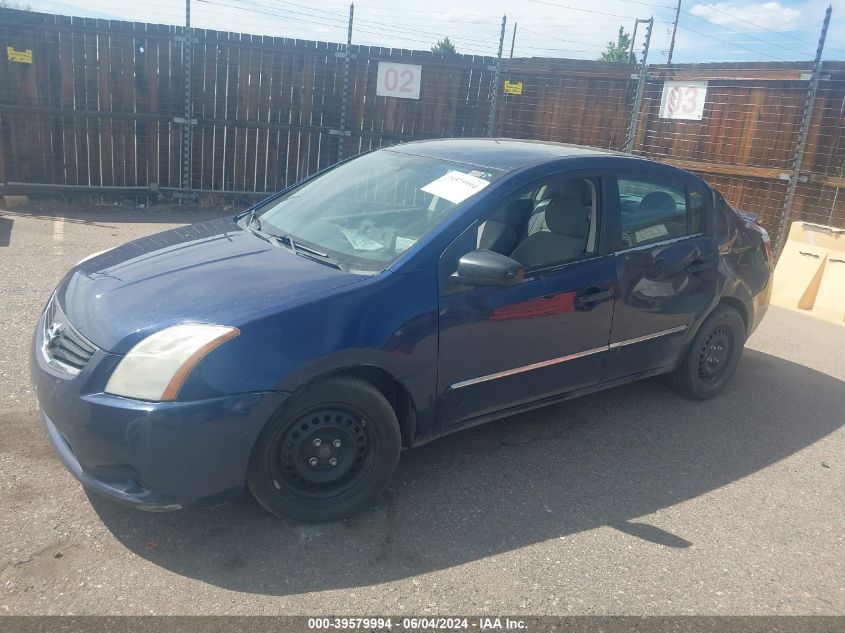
64,348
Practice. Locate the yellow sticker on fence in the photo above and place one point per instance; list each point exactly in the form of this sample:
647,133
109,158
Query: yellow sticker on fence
513,89
24,57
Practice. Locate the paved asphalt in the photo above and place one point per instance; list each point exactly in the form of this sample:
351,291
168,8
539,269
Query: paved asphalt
633,501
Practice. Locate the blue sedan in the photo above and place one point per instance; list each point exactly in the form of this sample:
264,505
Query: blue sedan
294,349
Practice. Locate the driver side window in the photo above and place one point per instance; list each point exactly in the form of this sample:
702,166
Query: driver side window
549,223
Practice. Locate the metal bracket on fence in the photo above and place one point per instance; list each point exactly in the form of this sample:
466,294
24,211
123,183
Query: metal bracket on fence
785,175
340,132
184,38
183,121
342,55
809,76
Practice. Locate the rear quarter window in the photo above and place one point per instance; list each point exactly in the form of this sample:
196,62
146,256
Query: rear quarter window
655,209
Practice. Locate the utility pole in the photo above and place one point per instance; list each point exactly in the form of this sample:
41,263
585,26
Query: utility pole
638,98
809,102
497,79
674,32
513,40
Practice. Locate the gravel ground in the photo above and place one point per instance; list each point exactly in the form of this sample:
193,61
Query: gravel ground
632,501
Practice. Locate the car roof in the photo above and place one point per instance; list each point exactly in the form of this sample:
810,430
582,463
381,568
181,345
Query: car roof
500,153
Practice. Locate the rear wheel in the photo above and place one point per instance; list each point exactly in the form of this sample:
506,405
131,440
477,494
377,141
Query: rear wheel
328,454
712,357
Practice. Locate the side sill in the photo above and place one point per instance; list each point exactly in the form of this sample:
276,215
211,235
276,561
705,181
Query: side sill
538,404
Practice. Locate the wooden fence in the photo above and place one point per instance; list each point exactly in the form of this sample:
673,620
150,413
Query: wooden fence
101,105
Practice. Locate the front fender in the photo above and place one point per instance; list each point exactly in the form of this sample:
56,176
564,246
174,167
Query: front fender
388,321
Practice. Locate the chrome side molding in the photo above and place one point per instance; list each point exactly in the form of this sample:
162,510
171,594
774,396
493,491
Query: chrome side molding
647,337
563,359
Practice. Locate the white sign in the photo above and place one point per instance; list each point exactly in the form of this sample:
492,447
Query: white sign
455,186
398,80
683,100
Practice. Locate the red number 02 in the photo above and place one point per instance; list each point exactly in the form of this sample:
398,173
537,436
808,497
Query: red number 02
408,78
391,80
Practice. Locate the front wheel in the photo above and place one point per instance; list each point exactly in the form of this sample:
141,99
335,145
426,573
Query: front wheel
712,357
328,454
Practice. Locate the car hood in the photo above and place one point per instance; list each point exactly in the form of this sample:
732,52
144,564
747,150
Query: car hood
211,272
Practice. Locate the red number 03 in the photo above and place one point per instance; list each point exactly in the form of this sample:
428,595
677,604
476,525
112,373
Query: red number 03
690,103
684,98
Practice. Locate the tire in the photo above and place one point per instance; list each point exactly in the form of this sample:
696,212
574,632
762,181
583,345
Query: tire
712,357
328,453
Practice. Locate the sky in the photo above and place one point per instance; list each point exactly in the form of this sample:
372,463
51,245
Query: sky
725,31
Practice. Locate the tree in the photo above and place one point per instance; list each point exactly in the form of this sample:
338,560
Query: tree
618,51
444,47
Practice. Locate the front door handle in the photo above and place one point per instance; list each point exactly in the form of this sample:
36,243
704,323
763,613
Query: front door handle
700,265
591,298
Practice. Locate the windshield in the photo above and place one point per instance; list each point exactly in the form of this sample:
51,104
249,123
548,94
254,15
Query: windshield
367,212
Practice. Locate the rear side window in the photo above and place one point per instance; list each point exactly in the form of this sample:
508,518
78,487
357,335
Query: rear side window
655,209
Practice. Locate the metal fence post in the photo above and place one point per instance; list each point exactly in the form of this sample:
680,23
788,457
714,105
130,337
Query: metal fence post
513,40
342,134
188,49
800,148
497,79
638,98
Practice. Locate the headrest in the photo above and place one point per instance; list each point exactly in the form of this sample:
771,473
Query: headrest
513,212
566,215
658,201
577,187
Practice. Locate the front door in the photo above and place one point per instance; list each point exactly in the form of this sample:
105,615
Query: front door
501,347
666,269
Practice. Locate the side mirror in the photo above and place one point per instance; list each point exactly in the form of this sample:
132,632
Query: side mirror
486,268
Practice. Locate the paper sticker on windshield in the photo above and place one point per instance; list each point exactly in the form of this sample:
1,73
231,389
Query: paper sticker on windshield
359,241
652,232
455,186
404,243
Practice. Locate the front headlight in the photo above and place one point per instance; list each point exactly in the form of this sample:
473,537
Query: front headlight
157,366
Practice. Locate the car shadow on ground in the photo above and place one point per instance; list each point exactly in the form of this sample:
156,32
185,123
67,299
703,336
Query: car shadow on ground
601,460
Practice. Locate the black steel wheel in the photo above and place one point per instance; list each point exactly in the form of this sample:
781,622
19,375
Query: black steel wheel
323,453
714,354
328,454
712,357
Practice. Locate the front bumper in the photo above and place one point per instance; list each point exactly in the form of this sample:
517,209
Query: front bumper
151,455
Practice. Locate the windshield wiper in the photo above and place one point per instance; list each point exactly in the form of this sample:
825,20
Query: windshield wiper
286,240
306,251
328,261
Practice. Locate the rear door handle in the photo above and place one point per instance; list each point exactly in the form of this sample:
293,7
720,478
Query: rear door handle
700,265
592,298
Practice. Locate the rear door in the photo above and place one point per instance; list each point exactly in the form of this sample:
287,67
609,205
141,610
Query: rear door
666,267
